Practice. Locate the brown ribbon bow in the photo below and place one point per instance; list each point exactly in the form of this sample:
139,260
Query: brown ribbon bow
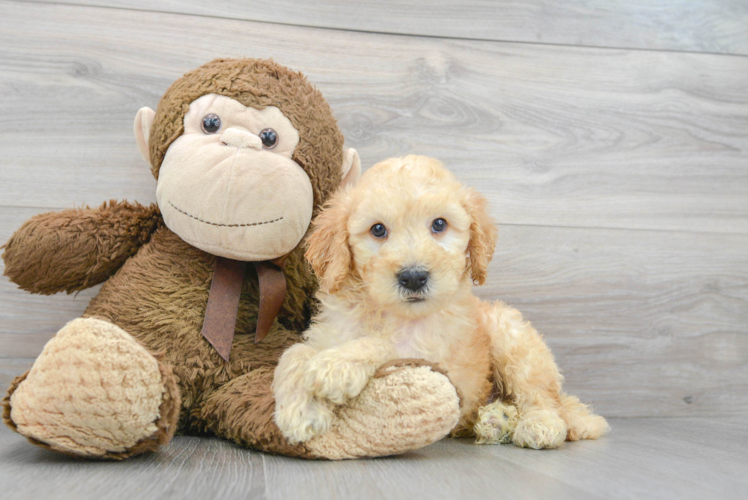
223,300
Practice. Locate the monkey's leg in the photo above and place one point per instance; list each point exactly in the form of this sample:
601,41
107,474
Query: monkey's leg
404,407
94,392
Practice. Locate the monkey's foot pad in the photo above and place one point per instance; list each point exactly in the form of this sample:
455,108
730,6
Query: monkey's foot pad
94,392
402,409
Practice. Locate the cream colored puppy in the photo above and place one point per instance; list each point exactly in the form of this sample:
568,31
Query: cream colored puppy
396,256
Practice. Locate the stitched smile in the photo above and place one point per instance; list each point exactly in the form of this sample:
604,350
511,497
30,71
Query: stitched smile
224,225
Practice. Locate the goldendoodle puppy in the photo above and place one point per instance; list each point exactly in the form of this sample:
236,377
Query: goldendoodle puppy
396,256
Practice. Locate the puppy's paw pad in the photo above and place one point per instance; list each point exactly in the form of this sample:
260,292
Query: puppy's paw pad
587,427
302,418
335,380
496,424
540,429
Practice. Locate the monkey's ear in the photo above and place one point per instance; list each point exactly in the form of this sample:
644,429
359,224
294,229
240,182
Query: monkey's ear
142,128
351,167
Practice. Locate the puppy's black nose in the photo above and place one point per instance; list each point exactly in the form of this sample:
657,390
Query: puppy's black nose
413,278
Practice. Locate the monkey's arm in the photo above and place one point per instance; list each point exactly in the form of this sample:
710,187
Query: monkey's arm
79,248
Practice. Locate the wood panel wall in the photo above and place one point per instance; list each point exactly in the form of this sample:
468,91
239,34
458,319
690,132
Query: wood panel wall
611,139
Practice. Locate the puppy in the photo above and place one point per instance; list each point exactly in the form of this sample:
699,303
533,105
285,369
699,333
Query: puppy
396,256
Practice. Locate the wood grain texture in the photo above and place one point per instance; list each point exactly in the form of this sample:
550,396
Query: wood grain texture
688,458
553,135
701,26
619,178
10,368
642,323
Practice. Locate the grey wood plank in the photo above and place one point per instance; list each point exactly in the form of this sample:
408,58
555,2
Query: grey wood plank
189,468
444,470
643,458
704,26
647,458
29,321
642,323
553,135
10,368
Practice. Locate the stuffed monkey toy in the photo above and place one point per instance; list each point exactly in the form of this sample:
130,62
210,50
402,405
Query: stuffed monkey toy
204,291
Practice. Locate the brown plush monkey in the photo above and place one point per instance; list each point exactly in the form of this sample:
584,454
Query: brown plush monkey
244,152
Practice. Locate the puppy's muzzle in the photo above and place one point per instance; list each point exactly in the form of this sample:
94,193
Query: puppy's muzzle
413,279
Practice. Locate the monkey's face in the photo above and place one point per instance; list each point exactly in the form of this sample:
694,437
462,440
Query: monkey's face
228,184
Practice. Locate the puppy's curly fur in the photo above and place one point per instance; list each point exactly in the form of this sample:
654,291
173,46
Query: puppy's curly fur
373,311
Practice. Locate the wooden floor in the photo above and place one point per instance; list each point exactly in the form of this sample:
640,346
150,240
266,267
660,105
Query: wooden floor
662,458
610,137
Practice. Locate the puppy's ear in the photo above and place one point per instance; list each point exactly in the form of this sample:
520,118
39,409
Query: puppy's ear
482,237
327,247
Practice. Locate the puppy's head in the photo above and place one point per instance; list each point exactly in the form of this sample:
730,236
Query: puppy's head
408,235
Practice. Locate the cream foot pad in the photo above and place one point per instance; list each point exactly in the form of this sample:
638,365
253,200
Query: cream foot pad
93,391
403,409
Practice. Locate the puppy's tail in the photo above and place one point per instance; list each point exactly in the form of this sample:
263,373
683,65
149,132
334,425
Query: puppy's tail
583,424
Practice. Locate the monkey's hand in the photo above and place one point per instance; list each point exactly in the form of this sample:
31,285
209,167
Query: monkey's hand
79,248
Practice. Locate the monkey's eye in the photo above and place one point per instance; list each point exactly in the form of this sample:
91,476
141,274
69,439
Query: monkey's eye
211,124
269,138
439,225
378,230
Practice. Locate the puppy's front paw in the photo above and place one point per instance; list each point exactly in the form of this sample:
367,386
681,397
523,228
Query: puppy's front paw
540,429
328,377
301,417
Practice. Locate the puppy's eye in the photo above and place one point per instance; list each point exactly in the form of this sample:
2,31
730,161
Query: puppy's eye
211,123
269,138
439,225
378,231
